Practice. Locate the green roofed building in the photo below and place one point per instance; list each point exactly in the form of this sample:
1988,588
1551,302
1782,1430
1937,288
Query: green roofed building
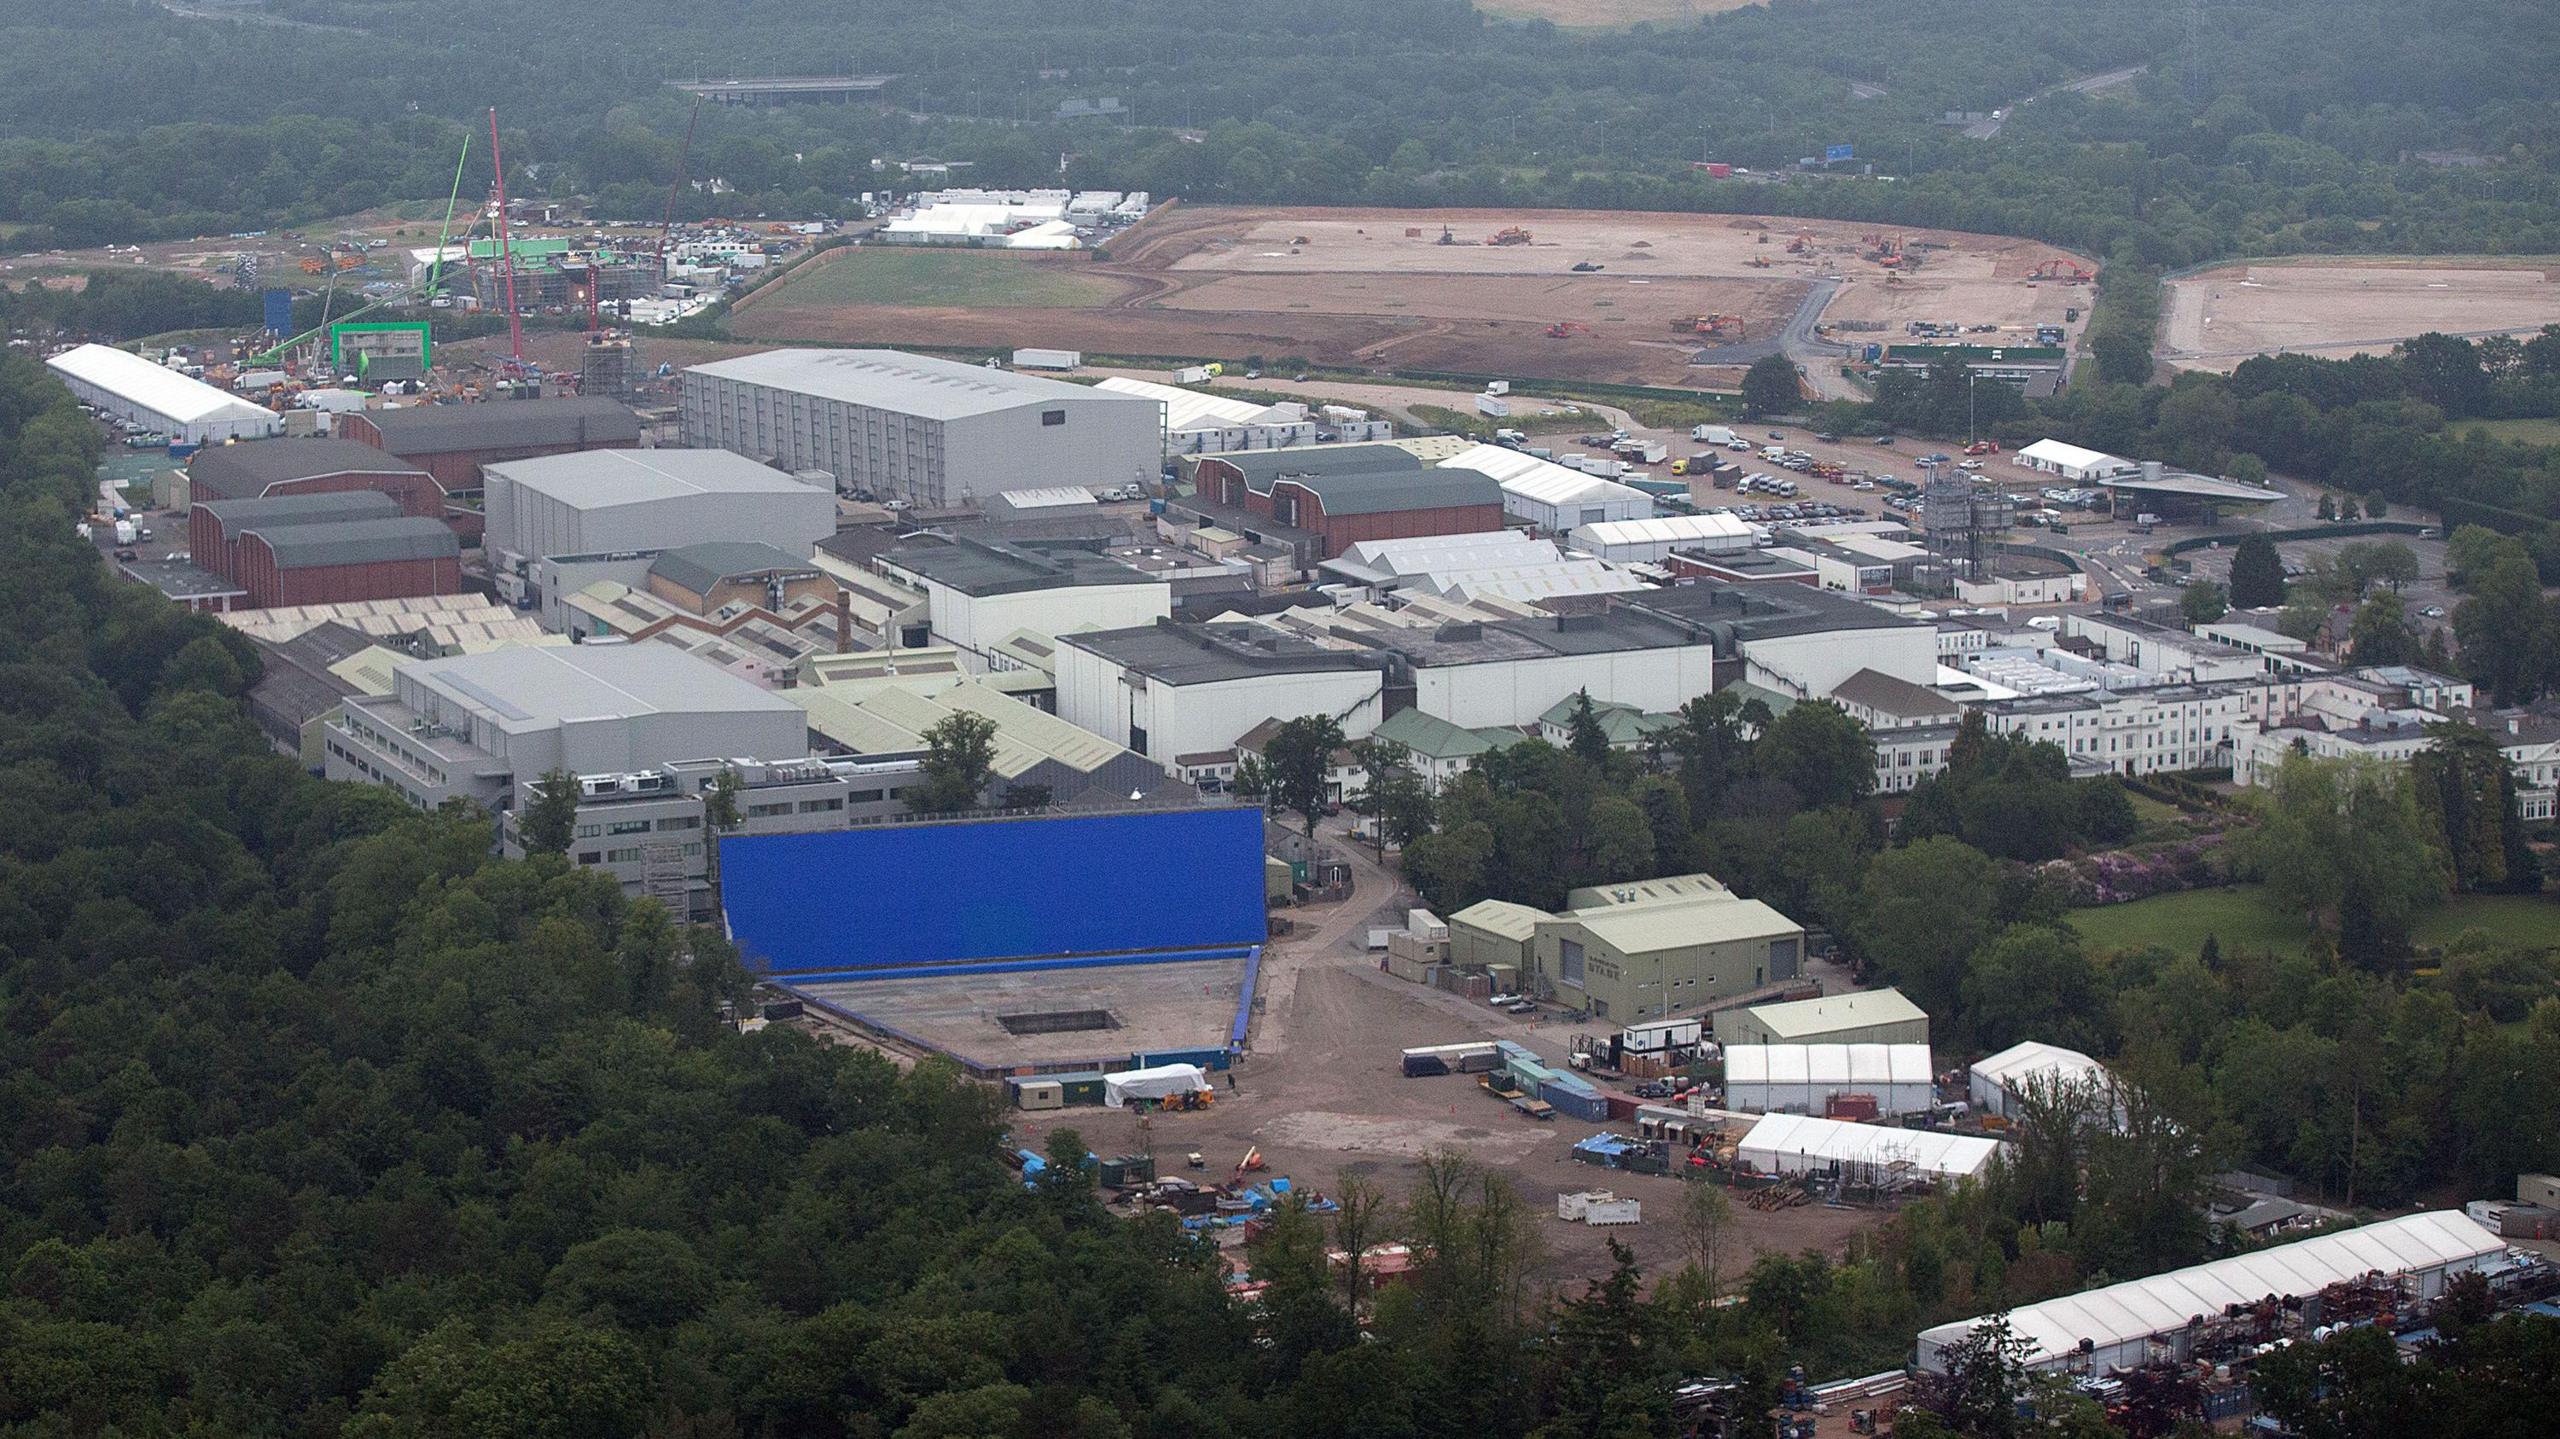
1437,750
1640,950
1626,726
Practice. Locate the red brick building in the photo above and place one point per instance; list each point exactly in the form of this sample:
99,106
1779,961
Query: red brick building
452,442
394,557
263,469
214,527
1321,501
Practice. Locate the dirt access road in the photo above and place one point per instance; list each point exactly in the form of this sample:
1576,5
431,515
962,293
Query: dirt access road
1323,1095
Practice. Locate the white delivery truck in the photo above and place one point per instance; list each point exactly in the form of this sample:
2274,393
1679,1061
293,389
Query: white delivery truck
1492,404
1047,359
125,533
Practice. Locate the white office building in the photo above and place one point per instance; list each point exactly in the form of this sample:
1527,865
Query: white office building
979,594
933,432
128,387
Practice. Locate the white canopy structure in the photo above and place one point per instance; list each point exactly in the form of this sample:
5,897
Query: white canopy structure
1794,1144
1802,1078
2071,462
2119,1322
1999,1080
1160,1082
1627,541
132,388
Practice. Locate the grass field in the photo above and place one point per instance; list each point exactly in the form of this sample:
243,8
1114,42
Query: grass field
2240,918
961,279
2530,432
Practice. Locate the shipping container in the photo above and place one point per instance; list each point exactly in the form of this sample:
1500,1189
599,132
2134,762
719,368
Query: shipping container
1205,1058
1082,1087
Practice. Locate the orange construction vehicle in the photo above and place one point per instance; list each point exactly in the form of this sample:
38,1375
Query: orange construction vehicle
1562,328
313,265
1802,244
1512,235
1983,447
1729,326
2068,272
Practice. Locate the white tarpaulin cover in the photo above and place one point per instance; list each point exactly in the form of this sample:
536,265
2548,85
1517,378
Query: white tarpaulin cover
2119,1320
1157,1083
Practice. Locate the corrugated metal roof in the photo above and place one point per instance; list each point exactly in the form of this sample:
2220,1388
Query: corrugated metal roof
1665,529
505,424
699,567
156,388
1501,917
1189,409
598,479
247,469
1682,924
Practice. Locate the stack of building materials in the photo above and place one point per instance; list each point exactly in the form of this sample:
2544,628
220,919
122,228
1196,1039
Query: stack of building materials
1598,1207
1472,1058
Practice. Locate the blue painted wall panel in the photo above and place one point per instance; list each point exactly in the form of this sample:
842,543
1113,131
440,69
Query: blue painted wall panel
1002,889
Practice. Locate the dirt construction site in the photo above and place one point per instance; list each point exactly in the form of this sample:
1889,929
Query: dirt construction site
2216,319
1613,297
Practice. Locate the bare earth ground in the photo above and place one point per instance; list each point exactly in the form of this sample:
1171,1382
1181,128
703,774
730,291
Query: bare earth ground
2216,319
1322,1094
1373,288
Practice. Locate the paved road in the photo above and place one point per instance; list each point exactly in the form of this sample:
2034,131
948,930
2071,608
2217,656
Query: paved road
1986,129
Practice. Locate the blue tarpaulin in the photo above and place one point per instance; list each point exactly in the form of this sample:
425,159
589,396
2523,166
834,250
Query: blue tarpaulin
996,890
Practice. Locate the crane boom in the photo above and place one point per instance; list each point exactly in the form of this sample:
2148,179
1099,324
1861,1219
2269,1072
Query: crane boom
684,160
506,248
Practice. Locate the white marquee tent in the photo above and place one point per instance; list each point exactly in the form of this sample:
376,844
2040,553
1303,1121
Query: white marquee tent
1998,1080
1802,1078
2119,1321
1794,1144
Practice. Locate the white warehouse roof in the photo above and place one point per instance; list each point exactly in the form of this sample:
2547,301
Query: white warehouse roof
157,388
2128,1314
1794,1143
602,479
1850,1065
1189,409
1666,530
2020,1063
1544,481
920,385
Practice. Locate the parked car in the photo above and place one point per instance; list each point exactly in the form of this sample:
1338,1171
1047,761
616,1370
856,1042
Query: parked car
127,555
2433,612
1777,434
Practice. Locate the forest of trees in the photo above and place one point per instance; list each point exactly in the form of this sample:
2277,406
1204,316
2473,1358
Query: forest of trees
2278,127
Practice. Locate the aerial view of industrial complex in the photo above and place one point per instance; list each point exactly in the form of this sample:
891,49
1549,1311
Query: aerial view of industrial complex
1561,718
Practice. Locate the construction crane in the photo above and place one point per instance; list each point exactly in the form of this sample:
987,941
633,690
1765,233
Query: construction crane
506,248
684,159
435,273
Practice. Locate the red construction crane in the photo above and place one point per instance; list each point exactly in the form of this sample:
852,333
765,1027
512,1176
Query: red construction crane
684,158
506,249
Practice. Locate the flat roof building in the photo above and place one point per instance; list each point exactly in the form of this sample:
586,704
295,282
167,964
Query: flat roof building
1870,1016
934,432
131,388
980,592
605,502
1183,694
1798,640
484,727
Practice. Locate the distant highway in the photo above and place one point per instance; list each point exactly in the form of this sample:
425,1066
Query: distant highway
1985,129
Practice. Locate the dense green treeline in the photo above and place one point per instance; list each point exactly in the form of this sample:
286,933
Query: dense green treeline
2283,128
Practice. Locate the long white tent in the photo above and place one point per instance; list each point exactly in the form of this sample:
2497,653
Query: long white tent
1555,498
132,388
1649,541
2119,1321
1795,1144
1802,1078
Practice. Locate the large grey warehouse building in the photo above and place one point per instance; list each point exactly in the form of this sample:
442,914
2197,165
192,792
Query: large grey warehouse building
602,502
912,427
